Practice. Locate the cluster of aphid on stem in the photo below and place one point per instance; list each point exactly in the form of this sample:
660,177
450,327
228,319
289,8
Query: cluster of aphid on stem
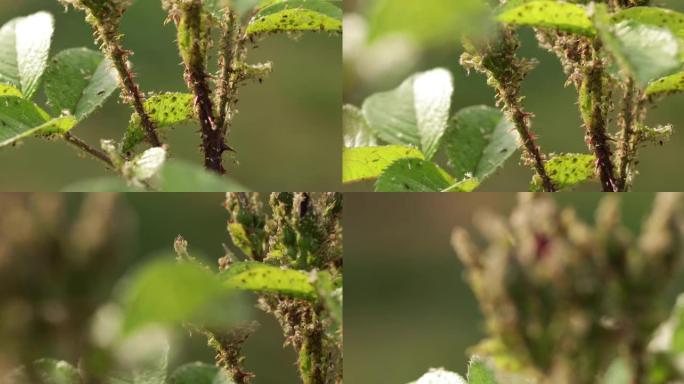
301,231
194,25
585,65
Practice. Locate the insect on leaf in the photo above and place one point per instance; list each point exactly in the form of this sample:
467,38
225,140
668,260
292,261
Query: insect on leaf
297,15
78,81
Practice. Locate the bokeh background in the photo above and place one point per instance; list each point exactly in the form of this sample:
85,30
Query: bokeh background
407,305
62,255
287,133
387,40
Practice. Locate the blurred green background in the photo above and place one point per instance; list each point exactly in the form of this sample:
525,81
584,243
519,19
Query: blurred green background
407,305
287,133
379,53
135,227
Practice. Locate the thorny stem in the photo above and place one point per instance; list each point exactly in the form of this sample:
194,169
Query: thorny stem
231,52
627,145
521,119
593,107
111,45
213,143
228,346
505,72
132,92
85,147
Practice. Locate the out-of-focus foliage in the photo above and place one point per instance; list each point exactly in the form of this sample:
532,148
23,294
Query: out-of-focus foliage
570,302
55,271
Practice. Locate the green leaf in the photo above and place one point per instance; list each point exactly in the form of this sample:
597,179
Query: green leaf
645,52
413,175
200,373
440,376
666,85
567,171
357,133
217,7
659,17
369,162
174,176
480,373
56,372
103,184
20,118
619,372
416,113
428,22
297,15
180,176
9,90
24,49
144,166
479,141
465,185
168,293
547,14
330,291
78,81
48,371
263,278
165,110
676,343
154,371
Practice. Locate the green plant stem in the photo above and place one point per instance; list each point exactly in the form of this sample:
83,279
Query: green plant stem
311,353
231,51
638,365
213,143
593,109
228,346
627,145
130,90
87,148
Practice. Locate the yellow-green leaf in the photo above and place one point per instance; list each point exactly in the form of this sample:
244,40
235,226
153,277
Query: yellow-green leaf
414,175
365,163
20,118
264,278
547,14
165,110
297,15
668,84
567,171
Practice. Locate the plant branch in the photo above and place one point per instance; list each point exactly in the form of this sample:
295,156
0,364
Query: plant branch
593,109
106,30
521,120
232,50
627,144
87,148
505,72
193,43
311,352
228,347
131,90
